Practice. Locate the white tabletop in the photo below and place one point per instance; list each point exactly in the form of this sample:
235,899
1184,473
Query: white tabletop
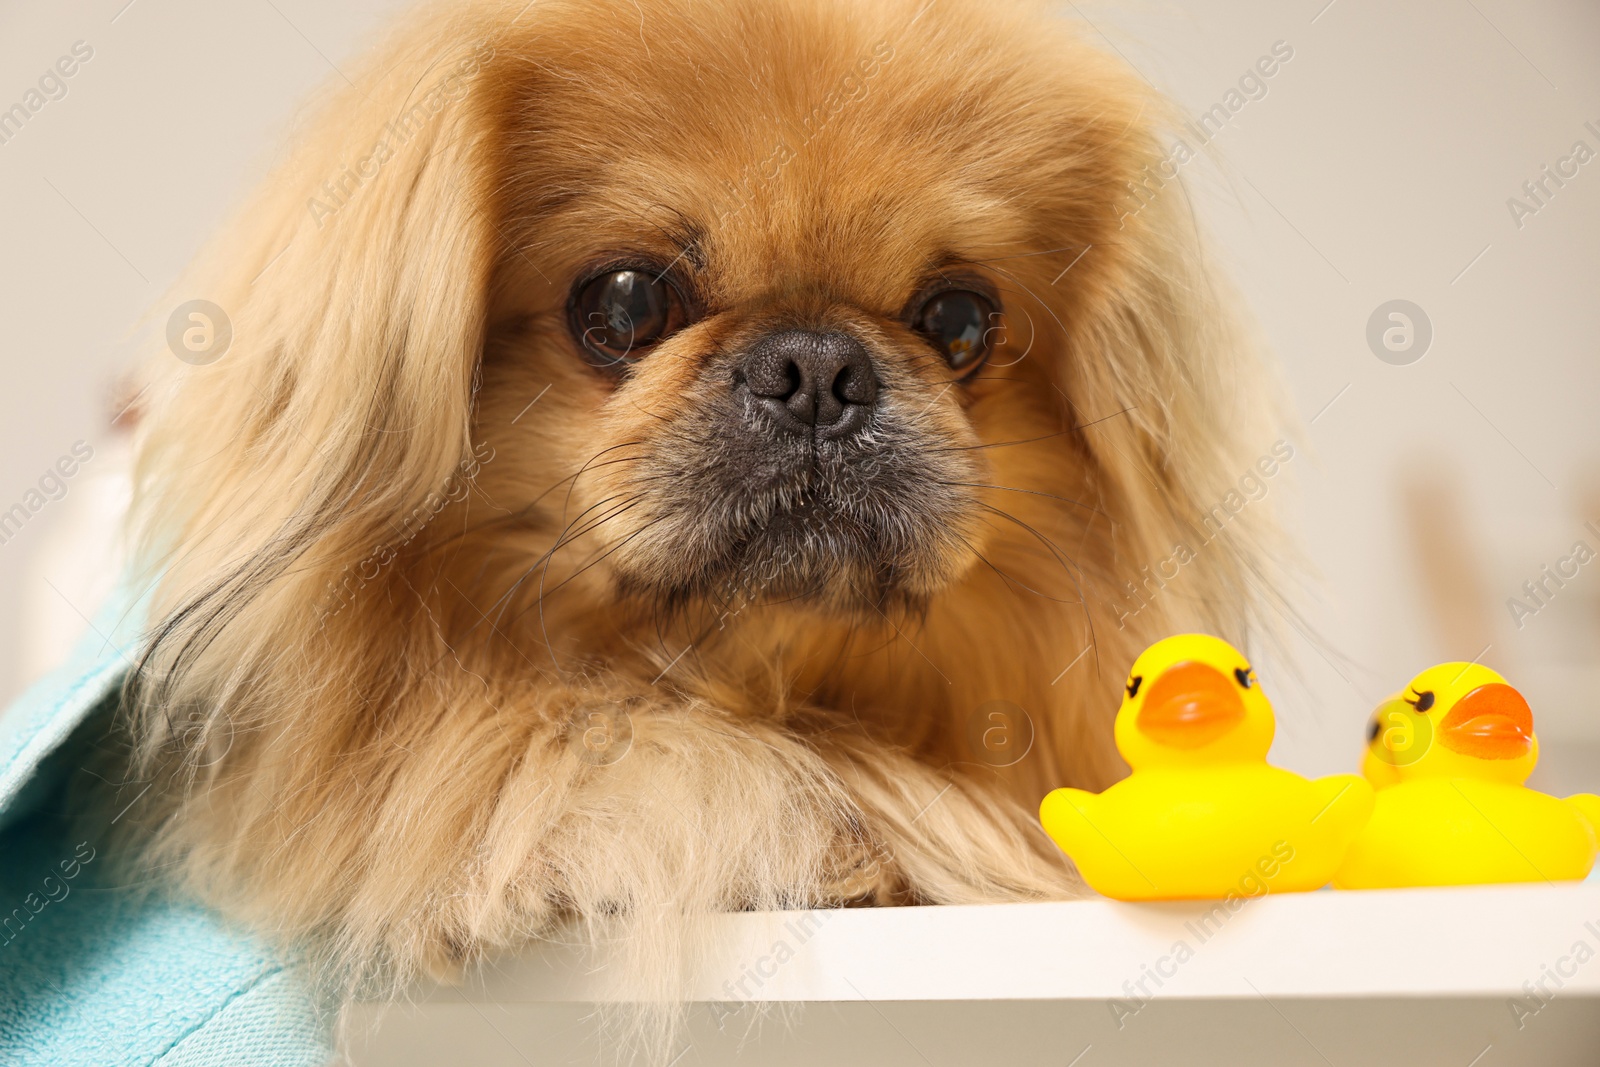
1403,976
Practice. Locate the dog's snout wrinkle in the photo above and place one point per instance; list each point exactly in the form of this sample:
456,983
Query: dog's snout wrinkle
812,381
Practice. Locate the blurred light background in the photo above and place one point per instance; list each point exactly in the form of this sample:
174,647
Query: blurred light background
1374,165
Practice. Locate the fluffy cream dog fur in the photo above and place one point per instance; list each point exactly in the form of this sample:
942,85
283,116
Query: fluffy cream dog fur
459,636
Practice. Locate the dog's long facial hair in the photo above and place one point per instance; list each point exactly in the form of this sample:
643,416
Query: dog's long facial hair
665,454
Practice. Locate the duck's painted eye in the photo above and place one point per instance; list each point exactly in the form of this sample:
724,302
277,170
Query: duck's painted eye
1133,685
1373,729
1243,676
1424,700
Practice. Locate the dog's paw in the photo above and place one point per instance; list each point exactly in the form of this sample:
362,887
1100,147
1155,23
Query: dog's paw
443,960
862,873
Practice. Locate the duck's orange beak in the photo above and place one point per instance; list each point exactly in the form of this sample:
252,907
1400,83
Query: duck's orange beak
1190,705
1491,722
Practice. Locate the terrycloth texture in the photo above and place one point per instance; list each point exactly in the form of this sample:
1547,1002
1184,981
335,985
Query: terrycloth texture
42,718
93,974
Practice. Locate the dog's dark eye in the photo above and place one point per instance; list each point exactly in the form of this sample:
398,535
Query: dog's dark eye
957,323
621,314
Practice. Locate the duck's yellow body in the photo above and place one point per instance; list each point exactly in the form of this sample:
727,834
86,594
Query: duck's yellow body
1205,833
1449,756
1202,815
1463,831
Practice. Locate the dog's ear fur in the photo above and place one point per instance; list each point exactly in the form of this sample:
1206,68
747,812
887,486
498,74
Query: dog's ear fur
356,283
1167,384
1192,418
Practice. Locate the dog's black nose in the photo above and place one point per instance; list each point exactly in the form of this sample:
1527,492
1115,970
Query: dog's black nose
809,379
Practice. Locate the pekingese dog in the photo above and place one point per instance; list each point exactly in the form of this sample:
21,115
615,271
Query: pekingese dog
675,457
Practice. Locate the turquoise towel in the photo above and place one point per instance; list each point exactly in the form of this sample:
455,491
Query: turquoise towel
94,975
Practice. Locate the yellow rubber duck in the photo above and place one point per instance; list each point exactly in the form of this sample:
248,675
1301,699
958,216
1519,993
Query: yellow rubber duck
1448,757
1202,815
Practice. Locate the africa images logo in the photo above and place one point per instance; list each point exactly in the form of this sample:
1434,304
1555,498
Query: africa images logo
52,85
